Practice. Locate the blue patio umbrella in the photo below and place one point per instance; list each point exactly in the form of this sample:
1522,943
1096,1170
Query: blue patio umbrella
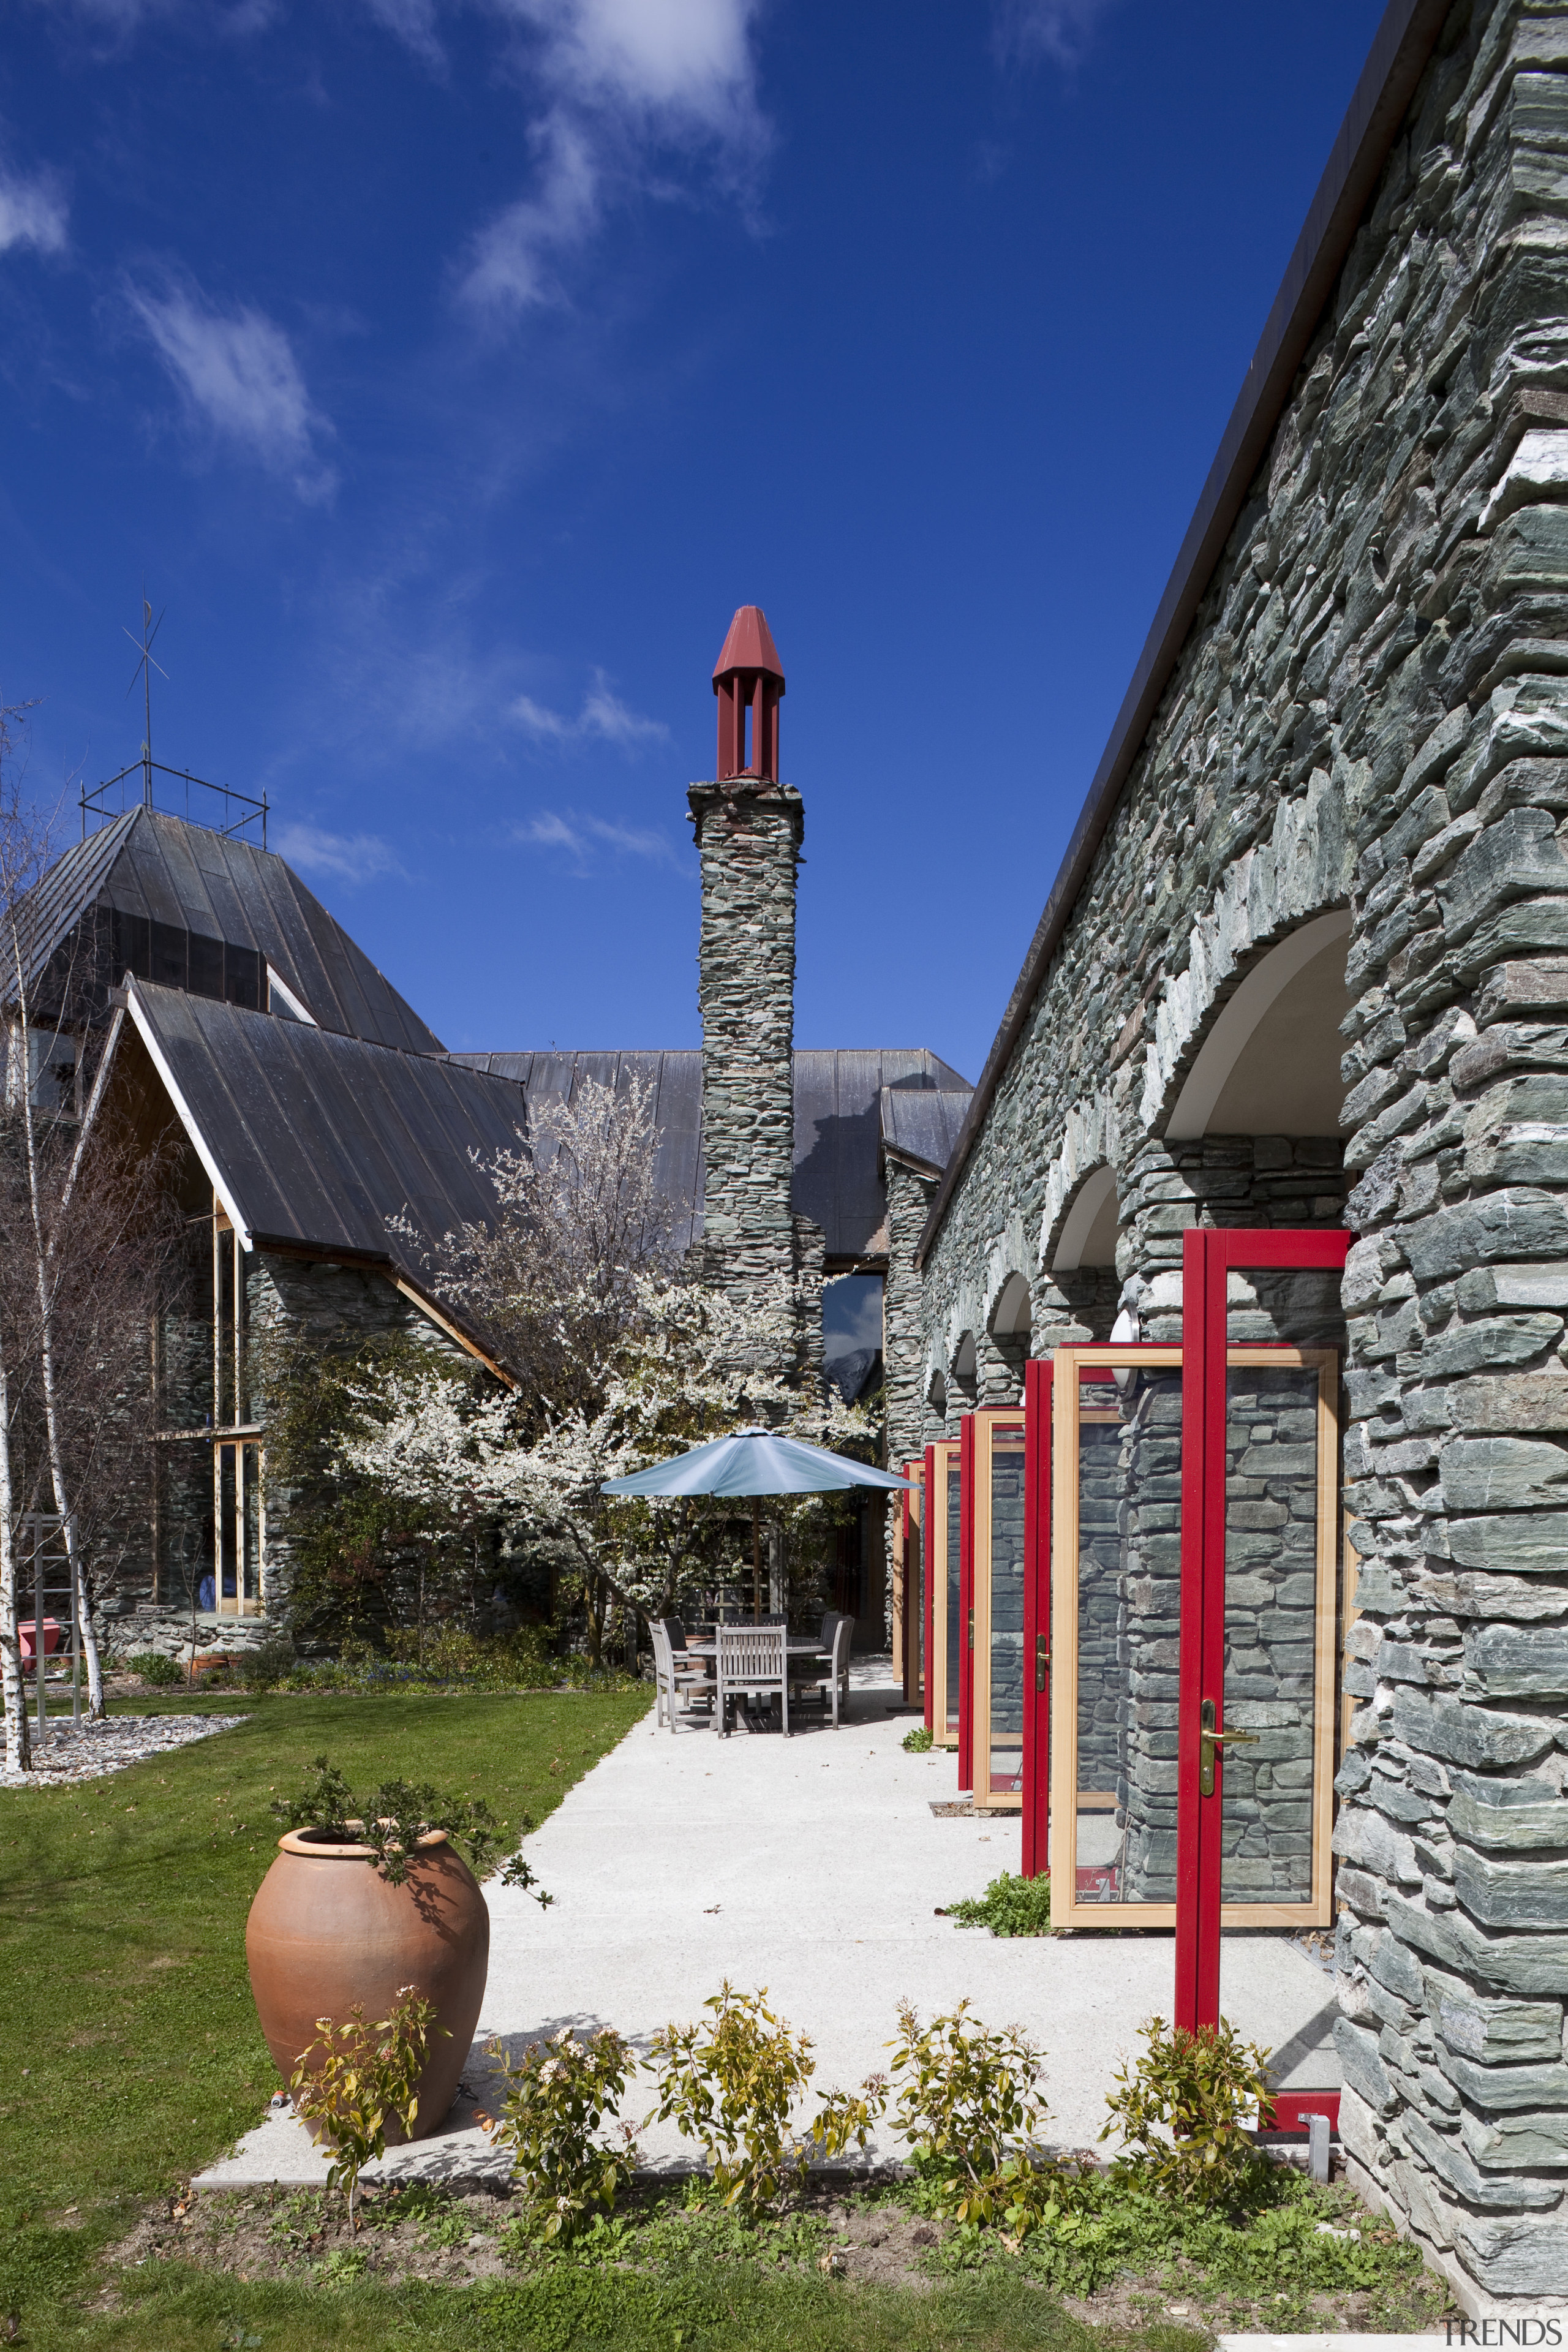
754,1461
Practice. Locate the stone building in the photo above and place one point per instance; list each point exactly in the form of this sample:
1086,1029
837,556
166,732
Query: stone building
321,1139
1306,965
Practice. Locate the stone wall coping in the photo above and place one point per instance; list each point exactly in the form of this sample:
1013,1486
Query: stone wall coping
1400,50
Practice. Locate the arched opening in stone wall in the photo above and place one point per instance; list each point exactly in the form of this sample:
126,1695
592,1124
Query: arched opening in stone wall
1009,1332
964,1384
936,1408
1253,1140
1083,1263
1271,1062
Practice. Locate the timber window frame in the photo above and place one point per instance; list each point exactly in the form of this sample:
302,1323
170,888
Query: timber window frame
943,1675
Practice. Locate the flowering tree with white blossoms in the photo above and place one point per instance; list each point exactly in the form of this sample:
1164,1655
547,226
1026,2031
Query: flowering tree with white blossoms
694,1365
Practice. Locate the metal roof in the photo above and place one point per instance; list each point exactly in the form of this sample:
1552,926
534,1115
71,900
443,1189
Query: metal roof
314,1140
1401,49
922,1127
166,870
838,1094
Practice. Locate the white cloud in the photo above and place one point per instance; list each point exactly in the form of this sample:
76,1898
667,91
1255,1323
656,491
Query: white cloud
238,376
414,24
622,78
585,838
342,857
603,717
32,212
1060,30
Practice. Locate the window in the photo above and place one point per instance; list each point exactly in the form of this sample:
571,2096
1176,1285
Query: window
52,1060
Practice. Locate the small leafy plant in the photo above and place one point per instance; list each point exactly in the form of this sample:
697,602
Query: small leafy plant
967,2100
364,2076
153,1667
1187,2111
731,2082
393,1817
918,1741
557,2096
1009,1907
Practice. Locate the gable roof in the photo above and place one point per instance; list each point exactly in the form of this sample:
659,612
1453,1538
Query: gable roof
148,869
312,1139
838,1095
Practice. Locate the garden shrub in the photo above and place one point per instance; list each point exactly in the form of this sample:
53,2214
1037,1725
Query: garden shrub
1187,2111
969,2105
263,1668
731,2082
153,1668
393,1818
558,2094
920,1740
366,2074
1009,1907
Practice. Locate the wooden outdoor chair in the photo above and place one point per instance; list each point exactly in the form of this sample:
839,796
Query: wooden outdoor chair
752,1662
675,1683
835,1645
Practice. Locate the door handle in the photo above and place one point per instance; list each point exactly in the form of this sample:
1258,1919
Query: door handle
1041,1661
1210,1740
971,1628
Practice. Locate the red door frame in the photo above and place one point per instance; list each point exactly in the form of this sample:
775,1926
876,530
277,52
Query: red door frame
913,1659
1037,1771
928,1541
1208,1257
967,1602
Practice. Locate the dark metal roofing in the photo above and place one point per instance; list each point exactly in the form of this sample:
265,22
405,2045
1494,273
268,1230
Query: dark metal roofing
921,1126
1400,51
169,871
319,1137
838,1127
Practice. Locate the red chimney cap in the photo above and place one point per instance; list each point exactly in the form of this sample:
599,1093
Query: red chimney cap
748,646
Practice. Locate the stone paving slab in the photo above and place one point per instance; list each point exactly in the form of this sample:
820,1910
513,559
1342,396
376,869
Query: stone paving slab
813,1867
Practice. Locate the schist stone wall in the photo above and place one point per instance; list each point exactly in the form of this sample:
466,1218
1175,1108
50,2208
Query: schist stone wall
1371,713
749,835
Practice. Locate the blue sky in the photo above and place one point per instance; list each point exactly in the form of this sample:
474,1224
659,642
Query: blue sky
451,369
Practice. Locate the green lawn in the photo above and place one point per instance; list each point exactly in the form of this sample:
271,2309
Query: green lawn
130,2053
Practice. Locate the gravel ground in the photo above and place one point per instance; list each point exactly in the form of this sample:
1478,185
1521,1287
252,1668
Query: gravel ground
101,1748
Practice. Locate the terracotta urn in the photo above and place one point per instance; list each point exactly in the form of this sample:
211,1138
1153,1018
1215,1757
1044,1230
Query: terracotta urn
326,1930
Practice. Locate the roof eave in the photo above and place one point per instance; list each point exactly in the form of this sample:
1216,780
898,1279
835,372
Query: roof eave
1400,50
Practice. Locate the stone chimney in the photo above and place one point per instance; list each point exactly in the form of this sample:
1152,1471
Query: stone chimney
749,829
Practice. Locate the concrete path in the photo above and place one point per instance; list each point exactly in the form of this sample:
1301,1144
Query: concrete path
814,1867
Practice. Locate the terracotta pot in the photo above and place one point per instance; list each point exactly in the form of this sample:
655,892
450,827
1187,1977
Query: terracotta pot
326,1930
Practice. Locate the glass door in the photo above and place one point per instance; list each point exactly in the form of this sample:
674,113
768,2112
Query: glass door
1036,1751
943,1558
1122,1623
909,1582
997,1472
1259,1526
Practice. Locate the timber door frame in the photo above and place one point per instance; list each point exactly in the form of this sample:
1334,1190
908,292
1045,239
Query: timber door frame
1209,1254
1037,1772
908,1595
1070,1364
941,1458
983,1427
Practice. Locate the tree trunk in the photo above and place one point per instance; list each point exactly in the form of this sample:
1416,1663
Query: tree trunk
42,1254
18,1732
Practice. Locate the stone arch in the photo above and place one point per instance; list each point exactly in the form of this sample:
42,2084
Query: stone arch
964,1374
1301,872
1009,1317
1088,1141
1268,1061
1081,1260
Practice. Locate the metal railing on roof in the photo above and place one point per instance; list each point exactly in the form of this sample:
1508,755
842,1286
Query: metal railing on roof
96,803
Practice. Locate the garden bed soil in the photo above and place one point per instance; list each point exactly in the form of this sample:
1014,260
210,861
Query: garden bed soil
301,2236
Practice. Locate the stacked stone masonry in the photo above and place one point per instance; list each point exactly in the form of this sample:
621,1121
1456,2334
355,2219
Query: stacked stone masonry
1371,714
